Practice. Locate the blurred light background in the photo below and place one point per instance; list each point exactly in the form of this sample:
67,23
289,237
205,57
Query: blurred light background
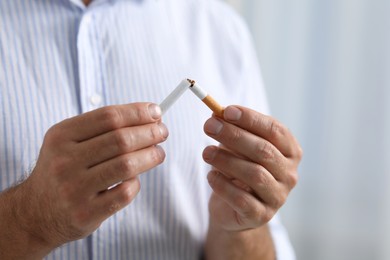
326,68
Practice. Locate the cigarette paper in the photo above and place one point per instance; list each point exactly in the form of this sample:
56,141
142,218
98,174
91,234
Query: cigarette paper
206,98
175,94
197,90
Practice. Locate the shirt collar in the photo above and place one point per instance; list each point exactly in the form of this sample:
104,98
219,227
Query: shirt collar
81,4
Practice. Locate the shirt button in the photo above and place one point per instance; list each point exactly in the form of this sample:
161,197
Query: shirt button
87,19
95,99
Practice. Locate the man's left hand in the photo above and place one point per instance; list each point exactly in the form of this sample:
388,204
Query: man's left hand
254,168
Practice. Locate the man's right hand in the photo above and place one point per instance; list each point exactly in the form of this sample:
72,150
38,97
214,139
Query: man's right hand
87,170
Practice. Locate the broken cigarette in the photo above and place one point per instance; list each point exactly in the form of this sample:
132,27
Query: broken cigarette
197,90
174,96
206,98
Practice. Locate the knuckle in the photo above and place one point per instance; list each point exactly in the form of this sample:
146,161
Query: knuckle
154,132
80,218
235,135
267,215
127,195
279,200
299,152
127,167
265,150
124,169
258,214
241,185
53,135
139,113
292,179
242,202
111,117
123,141
254,213
256,122
276,129
136,187
258,176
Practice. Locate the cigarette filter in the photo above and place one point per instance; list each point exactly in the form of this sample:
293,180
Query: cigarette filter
206,98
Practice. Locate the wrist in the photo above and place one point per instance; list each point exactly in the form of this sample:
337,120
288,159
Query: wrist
253,243
247,237
18,238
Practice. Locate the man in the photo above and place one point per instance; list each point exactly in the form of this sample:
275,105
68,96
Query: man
79,84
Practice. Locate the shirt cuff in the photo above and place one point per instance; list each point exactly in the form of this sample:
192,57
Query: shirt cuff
282,244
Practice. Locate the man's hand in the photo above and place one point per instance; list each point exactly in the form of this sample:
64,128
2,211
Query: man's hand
254,170
87,170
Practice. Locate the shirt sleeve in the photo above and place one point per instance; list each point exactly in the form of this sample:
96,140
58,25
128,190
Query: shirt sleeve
282,244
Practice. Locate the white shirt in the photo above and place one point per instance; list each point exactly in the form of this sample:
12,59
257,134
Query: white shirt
59,59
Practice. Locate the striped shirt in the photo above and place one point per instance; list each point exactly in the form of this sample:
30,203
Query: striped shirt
59,59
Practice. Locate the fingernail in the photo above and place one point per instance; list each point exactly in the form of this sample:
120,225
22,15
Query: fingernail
232,113
154,111
160,152
163,130
213,126
209,153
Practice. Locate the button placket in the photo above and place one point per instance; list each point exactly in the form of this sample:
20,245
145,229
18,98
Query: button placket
96,100
89,67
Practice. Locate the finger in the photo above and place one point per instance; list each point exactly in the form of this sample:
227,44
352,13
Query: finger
108,118
121,141
250,175
250,209
265,126
253,147
111,201
124,167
